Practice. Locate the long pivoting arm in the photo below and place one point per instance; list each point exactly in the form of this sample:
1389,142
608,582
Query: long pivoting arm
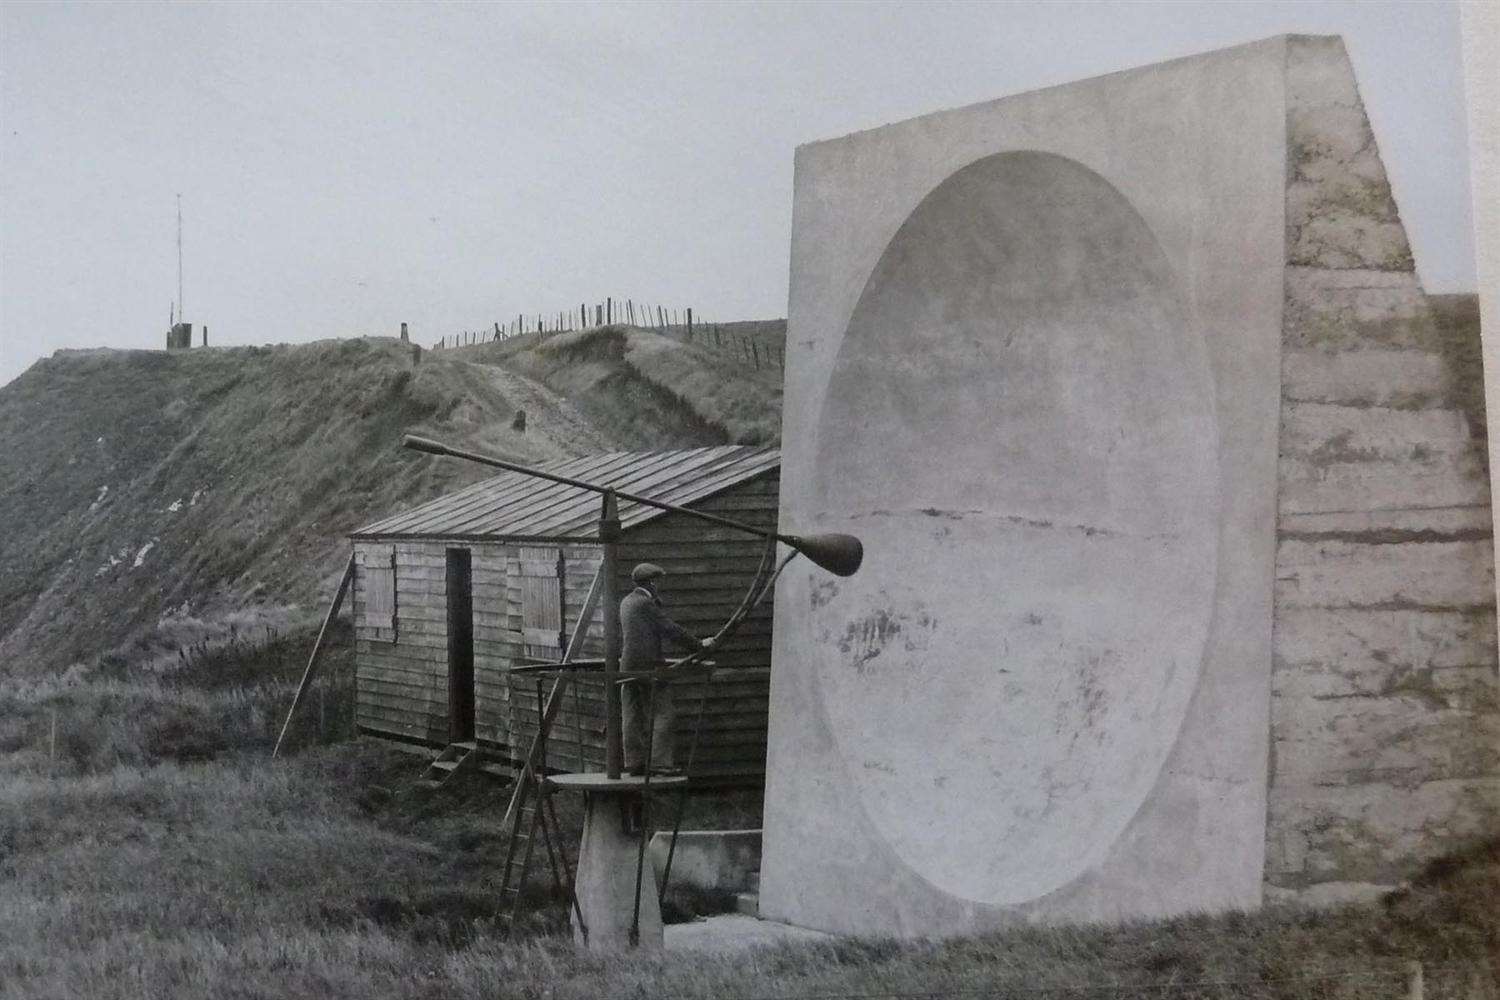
838,554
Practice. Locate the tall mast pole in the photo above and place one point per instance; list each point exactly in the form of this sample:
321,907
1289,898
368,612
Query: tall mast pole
180,311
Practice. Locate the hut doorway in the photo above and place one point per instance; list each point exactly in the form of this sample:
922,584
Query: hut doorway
460,589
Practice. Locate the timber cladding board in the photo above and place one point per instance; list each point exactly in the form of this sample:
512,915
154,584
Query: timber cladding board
513,505
733,709
1385,714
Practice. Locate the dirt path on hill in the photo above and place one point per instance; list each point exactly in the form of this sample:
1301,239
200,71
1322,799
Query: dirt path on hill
551,419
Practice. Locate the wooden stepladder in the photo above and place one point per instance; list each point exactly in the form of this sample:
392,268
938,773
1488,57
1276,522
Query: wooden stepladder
531,811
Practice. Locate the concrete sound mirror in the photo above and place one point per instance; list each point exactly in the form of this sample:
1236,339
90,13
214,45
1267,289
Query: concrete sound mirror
1035,361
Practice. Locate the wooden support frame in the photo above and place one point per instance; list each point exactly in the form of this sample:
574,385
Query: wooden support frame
312,660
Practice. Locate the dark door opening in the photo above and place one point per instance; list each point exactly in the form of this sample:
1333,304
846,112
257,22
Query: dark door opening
460,647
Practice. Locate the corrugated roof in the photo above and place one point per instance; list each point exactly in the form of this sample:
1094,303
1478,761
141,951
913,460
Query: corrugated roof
513,505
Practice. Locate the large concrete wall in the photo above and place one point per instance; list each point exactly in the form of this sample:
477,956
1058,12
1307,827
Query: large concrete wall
1179,586
1032,359
1385,722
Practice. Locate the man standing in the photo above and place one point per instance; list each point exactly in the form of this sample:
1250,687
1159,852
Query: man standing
643,627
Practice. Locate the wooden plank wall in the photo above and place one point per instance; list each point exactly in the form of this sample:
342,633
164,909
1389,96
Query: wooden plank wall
731,746
397,683
709,568
581,562
708,571
402,686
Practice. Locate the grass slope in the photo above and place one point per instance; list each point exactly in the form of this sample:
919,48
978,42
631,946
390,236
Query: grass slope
325,876
150,848
149,500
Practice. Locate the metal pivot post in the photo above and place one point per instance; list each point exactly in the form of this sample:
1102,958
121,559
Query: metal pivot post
609,538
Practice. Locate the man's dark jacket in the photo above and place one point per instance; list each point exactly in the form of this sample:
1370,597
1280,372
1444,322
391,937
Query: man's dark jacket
643,626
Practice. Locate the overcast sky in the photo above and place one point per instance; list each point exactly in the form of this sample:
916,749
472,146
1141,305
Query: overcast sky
344,168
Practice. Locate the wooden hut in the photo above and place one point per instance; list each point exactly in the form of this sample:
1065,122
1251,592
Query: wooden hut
450,597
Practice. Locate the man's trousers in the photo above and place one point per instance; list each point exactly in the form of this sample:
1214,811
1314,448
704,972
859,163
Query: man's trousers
636,708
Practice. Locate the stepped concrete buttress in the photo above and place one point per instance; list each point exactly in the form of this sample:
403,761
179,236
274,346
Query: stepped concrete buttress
1074,364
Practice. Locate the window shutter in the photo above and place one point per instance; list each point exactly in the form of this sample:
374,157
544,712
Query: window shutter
379,570
542,575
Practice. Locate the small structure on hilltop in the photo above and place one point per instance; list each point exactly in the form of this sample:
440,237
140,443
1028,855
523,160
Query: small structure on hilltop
451,596
180,337
180,333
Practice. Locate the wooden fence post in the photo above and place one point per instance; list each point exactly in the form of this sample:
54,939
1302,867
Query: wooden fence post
690,324
1414,985
609,309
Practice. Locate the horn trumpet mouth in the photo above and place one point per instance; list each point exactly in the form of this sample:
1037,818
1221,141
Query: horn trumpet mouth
840,555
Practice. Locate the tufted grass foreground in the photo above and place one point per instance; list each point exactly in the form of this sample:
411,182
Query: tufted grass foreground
186,864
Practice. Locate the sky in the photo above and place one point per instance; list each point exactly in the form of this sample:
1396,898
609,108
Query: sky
347,168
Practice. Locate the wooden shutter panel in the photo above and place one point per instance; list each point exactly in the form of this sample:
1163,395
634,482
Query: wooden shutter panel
378,567
542,574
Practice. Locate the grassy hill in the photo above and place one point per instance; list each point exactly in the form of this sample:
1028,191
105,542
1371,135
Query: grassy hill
152,501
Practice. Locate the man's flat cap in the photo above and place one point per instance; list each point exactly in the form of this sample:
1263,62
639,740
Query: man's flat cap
646,572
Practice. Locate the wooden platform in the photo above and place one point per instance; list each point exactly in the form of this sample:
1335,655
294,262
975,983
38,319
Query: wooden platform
598,781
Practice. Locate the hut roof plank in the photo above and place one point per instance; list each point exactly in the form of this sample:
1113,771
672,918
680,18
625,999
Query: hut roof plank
514,505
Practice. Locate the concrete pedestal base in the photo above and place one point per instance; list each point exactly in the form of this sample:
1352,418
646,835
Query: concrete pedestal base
607,858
